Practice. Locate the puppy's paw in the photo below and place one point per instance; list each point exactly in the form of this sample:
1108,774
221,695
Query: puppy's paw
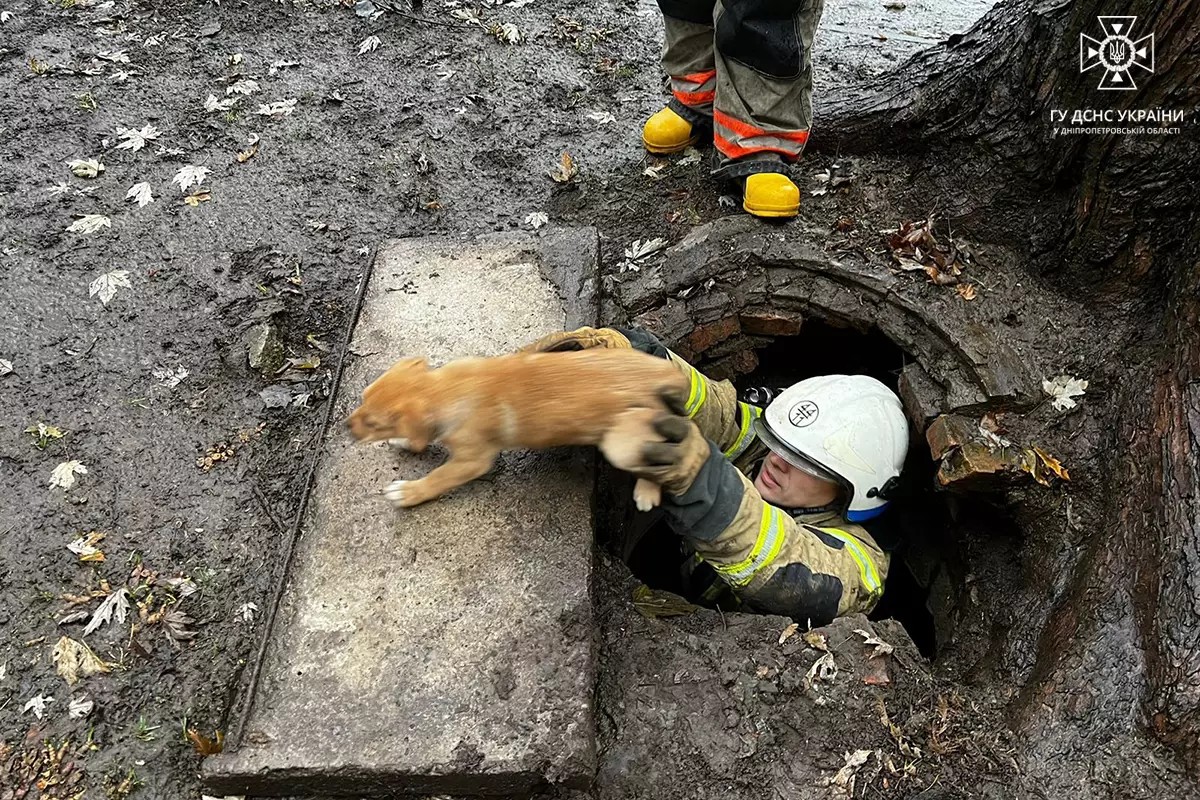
400,442
646,495
395,492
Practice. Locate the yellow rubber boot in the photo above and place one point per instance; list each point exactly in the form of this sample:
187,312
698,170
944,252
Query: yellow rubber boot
667,132
769,194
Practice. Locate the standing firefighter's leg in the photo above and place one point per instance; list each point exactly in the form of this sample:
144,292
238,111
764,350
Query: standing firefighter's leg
763,107
688,60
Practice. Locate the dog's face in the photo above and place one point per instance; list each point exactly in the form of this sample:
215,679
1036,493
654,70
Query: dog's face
395,407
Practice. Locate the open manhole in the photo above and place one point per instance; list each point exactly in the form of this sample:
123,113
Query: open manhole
942,544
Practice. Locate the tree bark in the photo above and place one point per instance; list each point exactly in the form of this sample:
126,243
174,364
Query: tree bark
1115,218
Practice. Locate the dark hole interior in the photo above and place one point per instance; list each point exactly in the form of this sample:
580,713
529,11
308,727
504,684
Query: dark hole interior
655,556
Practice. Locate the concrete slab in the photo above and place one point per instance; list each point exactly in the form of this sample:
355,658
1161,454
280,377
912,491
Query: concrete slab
448,648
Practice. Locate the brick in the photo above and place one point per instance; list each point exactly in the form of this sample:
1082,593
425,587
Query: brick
975,466
765,323
705,336
949,431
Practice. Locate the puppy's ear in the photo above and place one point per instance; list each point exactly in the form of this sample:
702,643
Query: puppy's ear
405,364
402,367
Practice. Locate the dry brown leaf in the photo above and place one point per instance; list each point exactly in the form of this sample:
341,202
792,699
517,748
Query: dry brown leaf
196,198
966,291
245,155
816,640
565,171
1053,464
75,660
788,632
204,745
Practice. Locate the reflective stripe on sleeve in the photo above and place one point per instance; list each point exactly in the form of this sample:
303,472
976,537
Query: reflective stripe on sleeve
746,433
766,547
697,391
866,565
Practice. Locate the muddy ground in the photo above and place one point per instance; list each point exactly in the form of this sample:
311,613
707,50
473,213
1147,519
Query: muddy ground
443,129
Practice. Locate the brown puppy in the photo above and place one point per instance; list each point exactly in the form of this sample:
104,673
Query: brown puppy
477,407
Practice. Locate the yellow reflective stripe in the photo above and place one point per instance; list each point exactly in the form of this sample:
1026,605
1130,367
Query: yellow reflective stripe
745,435
866,565
766,547
697,391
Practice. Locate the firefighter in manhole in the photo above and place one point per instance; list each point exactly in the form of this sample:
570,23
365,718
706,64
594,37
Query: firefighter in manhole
741,77
782,507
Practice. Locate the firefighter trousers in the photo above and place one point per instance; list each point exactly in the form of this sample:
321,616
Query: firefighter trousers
746,66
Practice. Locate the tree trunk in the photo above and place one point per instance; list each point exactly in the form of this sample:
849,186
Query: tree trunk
1112,205
1114,218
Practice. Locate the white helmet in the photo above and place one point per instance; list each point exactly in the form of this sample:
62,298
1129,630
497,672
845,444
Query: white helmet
849,429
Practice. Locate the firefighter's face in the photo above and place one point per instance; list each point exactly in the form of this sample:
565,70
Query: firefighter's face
785,486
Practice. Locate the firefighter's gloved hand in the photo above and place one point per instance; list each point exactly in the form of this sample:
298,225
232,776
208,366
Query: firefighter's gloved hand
660,446
578,339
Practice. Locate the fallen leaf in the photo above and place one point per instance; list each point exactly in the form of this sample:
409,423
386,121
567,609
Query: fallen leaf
85,167
966,291
823,669
211,103
844,778
506,32
690,156
184,587
115,56
89,223
655,172
204,745
246,611
816,641
80,707
1052,464
197,197
369,45
178,626
536,219
882,648
44,433
280,108
1063,389
63,476
170,377
565,171
37,705
245,86
788,632
115,605
75,660
5,366
654,603
601,117
141,194
85,546
245,155
136,139
106,285
190,175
